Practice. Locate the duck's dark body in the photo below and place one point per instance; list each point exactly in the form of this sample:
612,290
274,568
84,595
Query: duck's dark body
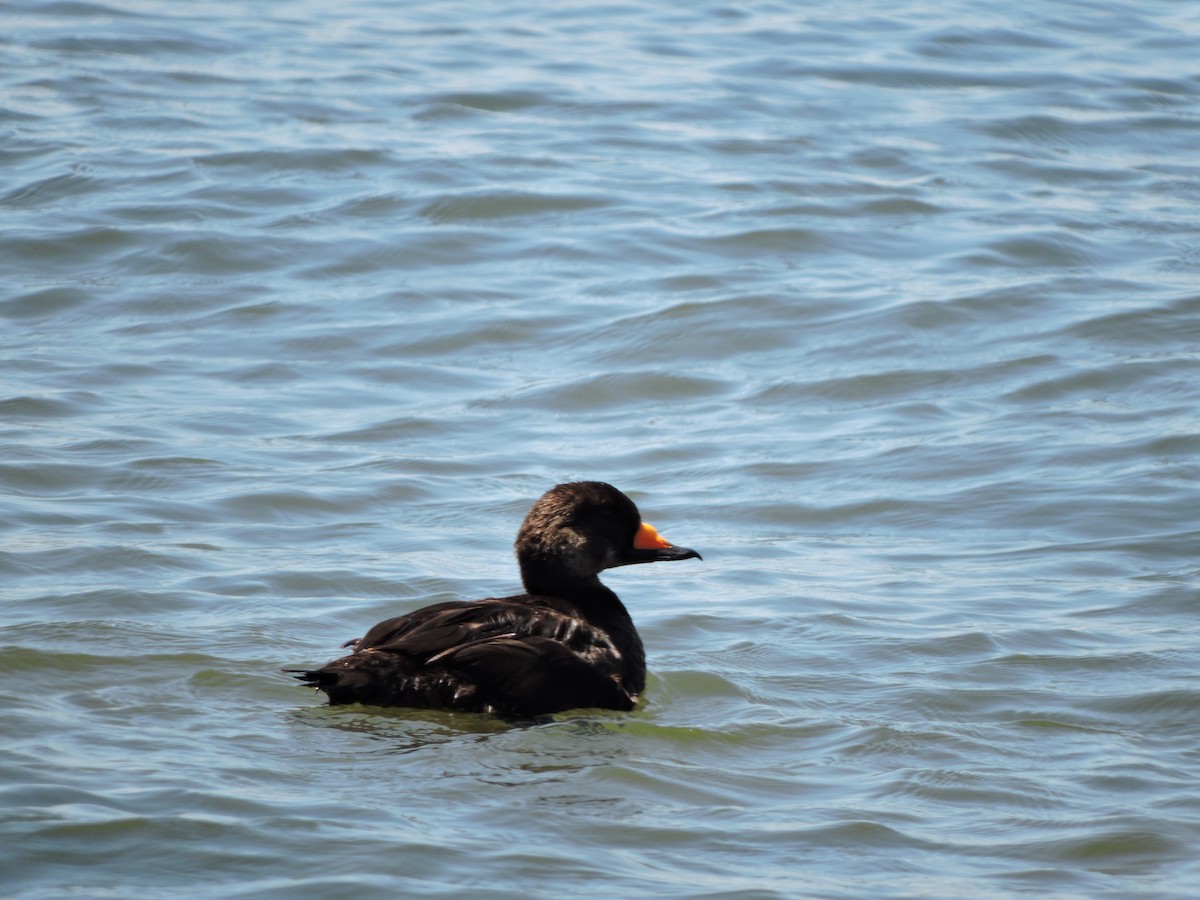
567,644
513,656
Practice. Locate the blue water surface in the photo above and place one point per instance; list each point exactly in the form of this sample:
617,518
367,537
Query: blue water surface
891,310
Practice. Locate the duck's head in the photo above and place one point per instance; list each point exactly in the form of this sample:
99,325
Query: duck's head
577,530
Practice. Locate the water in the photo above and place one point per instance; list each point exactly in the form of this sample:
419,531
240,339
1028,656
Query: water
891,310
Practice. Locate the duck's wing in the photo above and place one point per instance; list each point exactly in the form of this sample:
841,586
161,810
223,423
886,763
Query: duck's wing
394,630
535,675
428,633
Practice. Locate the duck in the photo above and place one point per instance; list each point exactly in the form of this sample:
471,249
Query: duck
567,642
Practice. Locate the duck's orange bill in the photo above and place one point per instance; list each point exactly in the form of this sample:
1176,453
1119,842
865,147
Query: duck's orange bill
649,539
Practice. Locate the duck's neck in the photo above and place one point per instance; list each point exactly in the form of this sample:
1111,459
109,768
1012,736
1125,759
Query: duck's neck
597,603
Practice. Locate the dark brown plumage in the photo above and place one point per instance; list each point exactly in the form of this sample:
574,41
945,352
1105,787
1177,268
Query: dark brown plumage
567,643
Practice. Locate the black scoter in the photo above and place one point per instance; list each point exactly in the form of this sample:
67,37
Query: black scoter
567,643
